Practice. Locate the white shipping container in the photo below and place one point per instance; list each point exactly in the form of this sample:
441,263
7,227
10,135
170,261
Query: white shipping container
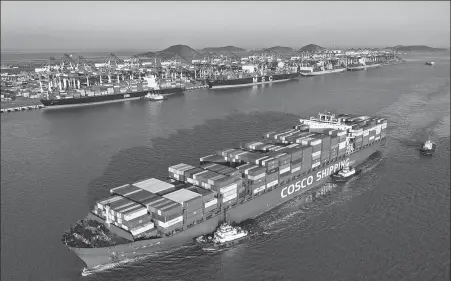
316,154
228,193
366,133
153,185
260,189
315,142
211,203
272,183
256,161
378,130
237,157
171,222
180,168
254,178
296,169
284,170
200,173
341,133
372,138
246,171
101,204
176,176
193,181
305,140
135,214
205,185
377,138
182,195
342,145
293,145
225,199
266,160
284,137
316,165
228,188
143,228
224,153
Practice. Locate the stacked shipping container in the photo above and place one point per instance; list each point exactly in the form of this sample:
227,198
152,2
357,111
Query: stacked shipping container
125,214
177,172
210,203
166,213
191,202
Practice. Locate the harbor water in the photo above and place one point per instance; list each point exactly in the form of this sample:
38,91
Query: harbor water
390,223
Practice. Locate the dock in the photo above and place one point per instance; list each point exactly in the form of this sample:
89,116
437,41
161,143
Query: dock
22,108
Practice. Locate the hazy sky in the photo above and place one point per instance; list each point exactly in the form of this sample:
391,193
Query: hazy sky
157,25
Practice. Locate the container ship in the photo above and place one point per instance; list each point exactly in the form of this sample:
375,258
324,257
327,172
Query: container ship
360,63
317,72
111,93
317,68
233,185
251,80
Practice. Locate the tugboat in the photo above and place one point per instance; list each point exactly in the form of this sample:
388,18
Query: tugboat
428,148
344,174
227,235
154,96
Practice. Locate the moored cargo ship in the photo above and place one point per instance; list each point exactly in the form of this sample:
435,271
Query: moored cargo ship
249,81
355,67
323,72
111,94
155,215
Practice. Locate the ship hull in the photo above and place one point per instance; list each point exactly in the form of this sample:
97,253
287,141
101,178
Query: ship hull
101,99
317,73
251,81
242,211
363,67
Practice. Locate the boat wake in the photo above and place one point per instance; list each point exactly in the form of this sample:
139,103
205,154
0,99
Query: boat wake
110,266
106,267
315,202
213,250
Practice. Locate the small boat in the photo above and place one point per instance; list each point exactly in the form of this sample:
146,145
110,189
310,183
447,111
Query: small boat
428,147
430,63
227,235
344,174
153,96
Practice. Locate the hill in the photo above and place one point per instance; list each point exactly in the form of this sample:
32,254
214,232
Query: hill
311,48
417,48
185,52
279,50
231,49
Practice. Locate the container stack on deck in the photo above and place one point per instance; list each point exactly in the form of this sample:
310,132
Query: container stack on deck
126,214
198,192
210,203
225,181
191,203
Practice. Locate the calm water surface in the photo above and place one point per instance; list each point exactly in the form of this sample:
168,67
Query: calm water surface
391,223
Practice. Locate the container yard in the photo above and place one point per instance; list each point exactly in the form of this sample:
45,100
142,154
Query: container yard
66,80
232,184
